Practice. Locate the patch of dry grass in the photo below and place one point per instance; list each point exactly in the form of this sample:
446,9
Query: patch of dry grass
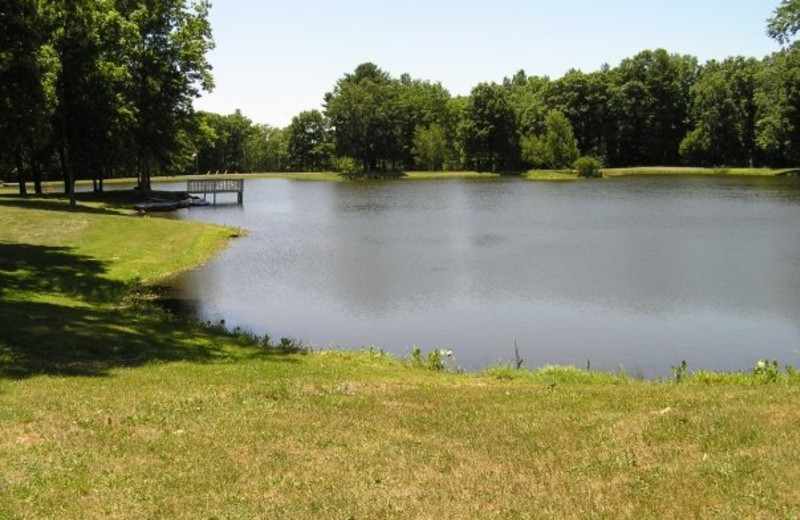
337,435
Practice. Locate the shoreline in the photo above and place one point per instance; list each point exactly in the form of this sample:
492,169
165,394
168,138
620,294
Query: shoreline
533,175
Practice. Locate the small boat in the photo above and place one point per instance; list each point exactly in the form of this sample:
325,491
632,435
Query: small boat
171,205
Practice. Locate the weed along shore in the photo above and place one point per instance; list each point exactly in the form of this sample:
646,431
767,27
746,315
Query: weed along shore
112,408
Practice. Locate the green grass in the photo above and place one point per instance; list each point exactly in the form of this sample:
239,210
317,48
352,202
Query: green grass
568,175
663,170
551,175
111,409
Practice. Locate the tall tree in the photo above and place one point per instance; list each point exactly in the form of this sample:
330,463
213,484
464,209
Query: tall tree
309,145
362,110
489,129
777,100
652,99
430,147
585,99
419,104
167,42
26,88
722,110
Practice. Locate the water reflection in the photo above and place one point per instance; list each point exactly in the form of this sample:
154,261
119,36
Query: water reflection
641,272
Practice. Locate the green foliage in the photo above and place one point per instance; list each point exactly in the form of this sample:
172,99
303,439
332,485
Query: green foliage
535,151
347,167
560,145
785,22
93,87
777,100
489,130
588,167
362,109
430,147
722,108
309,145
437,359
680,372
766,371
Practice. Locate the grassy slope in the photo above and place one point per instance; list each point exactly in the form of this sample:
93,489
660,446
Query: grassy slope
133,415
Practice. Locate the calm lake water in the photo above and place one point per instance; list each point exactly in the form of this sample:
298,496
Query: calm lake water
638,272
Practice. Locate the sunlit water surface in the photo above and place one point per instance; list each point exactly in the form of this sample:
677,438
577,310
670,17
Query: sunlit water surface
634,272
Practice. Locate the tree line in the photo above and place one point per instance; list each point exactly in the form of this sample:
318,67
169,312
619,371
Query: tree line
99,88
103,88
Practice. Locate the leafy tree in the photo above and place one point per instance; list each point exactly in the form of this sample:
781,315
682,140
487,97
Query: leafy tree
651,93
585,99
362,110
785,22
777,100
309,145
430,147
489,129
723,111
167,42
419,104
268,149
26,90
560,142
526,95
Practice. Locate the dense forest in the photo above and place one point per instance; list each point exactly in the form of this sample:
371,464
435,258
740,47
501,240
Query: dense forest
104,88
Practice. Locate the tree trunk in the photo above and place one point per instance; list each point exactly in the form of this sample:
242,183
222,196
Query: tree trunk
69,178
144,173
36,169
23,190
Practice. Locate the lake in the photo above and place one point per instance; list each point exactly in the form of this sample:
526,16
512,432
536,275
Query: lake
640,272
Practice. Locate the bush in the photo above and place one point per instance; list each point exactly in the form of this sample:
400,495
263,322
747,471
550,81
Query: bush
588,167
347,167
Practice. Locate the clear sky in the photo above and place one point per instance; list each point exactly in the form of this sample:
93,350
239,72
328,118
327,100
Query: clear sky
276,58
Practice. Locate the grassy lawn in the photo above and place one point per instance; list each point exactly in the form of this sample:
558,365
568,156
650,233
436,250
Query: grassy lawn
112,409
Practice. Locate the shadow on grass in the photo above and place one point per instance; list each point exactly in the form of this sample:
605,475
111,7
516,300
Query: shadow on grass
108,202
60,316
51,203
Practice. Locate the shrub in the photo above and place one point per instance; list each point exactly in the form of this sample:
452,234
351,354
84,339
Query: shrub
347,167
588,167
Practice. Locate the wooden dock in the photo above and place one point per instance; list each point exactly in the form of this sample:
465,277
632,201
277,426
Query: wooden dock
214,186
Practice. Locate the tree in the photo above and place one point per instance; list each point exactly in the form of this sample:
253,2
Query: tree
777,100
82,46
651,94
309,145
362,110
419,104
26,100
430,147
560,142
489,129
785,22
723,112
167,42
585,100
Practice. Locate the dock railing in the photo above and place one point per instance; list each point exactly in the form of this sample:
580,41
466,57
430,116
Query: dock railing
214,186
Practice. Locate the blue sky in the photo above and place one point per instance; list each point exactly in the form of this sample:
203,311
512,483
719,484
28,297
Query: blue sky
275,59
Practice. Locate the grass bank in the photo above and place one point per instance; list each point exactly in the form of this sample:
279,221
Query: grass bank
109,409
569,175
663,170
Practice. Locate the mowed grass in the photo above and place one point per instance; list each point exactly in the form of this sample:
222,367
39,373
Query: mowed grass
129,413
